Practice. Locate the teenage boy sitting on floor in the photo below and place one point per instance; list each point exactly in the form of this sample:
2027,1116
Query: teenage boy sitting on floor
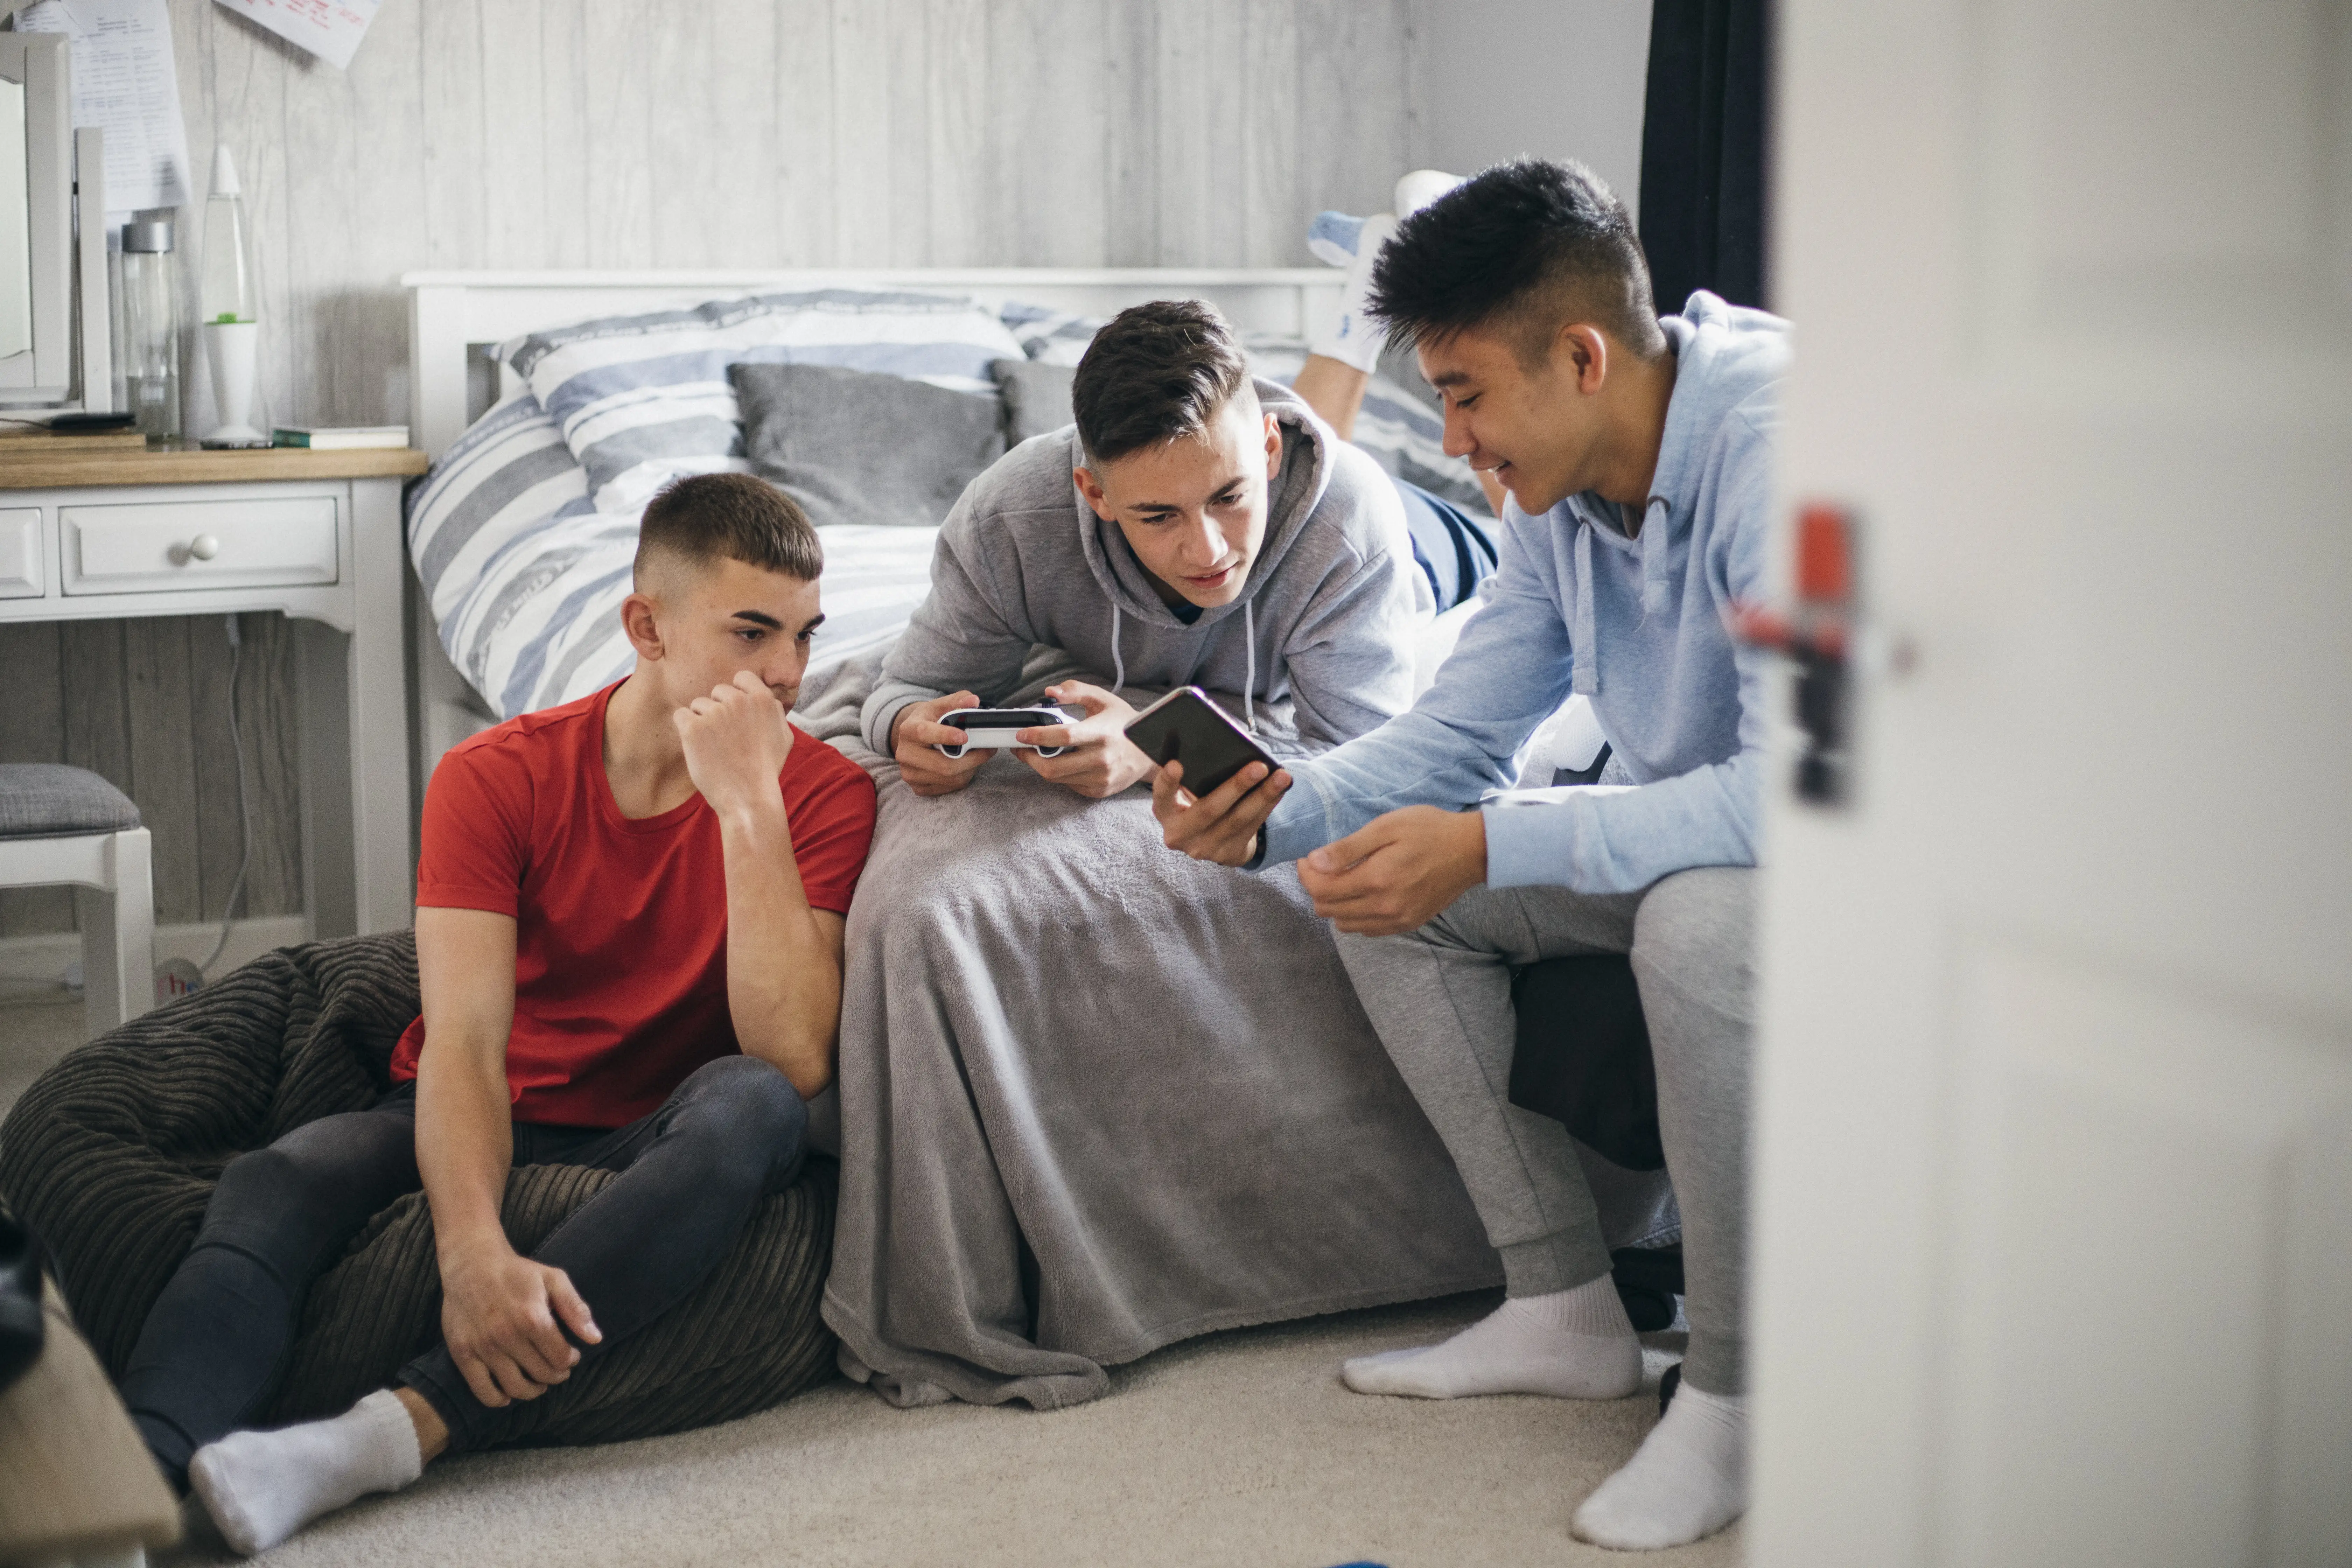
629,940
1193,526
1638,453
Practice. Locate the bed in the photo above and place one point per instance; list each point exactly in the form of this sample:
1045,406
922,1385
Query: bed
518,585
1092,1098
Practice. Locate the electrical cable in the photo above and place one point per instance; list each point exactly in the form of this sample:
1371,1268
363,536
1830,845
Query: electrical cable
244,812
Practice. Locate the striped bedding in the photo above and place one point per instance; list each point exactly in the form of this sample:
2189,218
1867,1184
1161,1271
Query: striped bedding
641,399
525,577
524,530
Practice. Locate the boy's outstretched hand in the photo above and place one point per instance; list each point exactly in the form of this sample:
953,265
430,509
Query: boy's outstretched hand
1222,825
1397,872
736,740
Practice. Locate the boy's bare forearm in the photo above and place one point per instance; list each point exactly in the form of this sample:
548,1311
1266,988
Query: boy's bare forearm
465,1146
783,978
465,1111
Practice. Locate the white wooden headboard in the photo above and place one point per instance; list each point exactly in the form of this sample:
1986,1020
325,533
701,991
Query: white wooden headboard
454,316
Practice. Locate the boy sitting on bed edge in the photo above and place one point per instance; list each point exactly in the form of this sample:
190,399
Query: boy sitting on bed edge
1194,526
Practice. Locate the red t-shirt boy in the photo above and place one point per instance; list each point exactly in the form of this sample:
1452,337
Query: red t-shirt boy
629,931
620,984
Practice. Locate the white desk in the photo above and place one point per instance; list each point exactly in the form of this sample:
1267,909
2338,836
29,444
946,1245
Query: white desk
315,535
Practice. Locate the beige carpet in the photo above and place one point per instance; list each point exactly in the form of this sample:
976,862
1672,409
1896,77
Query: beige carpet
1242,1449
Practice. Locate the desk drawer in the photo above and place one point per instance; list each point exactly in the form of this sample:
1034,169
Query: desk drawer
149,547
20,552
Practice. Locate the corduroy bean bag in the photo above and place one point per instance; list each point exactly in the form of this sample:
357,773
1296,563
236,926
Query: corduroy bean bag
113,1154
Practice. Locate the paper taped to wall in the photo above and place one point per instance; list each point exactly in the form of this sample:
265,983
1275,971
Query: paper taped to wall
124,82
330,29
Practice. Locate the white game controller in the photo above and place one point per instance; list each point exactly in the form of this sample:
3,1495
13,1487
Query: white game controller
992,729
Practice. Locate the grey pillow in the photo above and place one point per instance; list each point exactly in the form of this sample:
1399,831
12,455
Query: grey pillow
857,445
1036,397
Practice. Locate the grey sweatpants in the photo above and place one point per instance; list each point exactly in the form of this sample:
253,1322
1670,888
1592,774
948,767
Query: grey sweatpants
1441,998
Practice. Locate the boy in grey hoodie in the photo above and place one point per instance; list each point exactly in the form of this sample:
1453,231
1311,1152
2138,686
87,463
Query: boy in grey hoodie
1193,528
1638,455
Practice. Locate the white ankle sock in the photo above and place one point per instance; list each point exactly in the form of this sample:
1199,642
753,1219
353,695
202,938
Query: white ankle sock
262,1487
1353,338
1570,1344
1687,1481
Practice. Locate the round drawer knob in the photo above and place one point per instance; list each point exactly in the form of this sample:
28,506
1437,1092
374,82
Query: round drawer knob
204,547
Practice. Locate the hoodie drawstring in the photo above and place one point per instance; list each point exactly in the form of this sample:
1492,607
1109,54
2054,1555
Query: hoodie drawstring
1652,541
1249,649
1588,668
1653,557
1249,680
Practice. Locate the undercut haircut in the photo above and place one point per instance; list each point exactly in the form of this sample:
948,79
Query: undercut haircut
708,518
1524,248
1156,372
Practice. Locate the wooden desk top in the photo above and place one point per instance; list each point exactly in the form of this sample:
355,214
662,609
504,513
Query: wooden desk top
52,469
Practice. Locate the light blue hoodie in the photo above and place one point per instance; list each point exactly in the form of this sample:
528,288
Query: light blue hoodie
1634,623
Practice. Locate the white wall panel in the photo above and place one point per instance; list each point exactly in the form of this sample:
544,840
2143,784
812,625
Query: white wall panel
612,133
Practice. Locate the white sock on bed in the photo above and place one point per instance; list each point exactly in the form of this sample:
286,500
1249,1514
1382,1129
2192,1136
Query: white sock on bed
1687,1481
1570,1344
262,1487
1352,337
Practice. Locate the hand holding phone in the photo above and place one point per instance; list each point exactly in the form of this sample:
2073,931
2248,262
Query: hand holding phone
1185,726
1216,786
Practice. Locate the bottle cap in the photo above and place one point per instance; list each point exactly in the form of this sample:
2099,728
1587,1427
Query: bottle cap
225,173
148,236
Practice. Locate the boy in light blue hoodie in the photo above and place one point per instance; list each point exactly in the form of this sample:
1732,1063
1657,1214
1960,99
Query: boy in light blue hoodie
1638,455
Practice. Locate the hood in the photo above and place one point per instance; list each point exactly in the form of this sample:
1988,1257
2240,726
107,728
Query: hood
1723,354
1296,490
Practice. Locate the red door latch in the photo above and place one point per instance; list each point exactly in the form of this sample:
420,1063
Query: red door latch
1816,635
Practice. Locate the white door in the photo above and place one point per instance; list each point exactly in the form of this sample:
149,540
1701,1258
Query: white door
2054,1220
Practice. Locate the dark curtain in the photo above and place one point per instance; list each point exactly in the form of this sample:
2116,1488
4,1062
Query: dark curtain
1703,145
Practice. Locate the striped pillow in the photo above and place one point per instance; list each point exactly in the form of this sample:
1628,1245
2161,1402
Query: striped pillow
490,503
641,399
1049,336
525,577
1404,435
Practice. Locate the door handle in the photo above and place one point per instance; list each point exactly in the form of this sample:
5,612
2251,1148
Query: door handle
204,547
1818,637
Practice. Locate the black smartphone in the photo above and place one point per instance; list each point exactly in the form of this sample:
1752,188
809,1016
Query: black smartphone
1186,727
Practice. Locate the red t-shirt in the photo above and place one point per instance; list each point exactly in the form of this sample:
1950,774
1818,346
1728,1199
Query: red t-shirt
619,926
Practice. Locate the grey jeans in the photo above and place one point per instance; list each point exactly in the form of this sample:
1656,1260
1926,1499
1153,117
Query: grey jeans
1441,998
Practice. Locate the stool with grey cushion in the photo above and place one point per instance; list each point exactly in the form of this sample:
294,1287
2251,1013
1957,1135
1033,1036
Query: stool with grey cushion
67,825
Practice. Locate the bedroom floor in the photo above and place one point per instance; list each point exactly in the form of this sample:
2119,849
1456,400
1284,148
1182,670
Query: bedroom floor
1240,1449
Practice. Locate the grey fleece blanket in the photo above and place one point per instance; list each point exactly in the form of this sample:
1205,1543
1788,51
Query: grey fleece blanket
1096,1098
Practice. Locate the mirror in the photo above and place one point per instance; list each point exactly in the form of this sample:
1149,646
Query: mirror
16,227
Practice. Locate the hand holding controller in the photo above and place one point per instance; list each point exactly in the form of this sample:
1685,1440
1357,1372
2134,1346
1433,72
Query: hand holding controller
999,729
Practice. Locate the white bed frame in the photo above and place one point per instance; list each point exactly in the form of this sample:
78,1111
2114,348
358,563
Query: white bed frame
454,319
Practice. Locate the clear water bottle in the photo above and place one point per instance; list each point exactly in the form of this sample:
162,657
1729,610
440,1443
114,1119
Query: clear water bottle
151,328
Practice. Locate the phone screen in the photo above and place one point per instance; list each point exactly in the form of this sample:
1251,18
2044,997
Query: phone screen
1186,727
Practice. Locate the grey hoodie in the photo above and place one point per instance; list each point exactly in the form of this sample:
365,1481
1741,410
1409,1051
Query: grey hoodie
1316,651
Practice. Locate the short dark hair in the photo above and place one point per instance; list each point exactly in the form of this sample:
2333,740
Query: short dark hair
1526,246
732,517
1156,372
